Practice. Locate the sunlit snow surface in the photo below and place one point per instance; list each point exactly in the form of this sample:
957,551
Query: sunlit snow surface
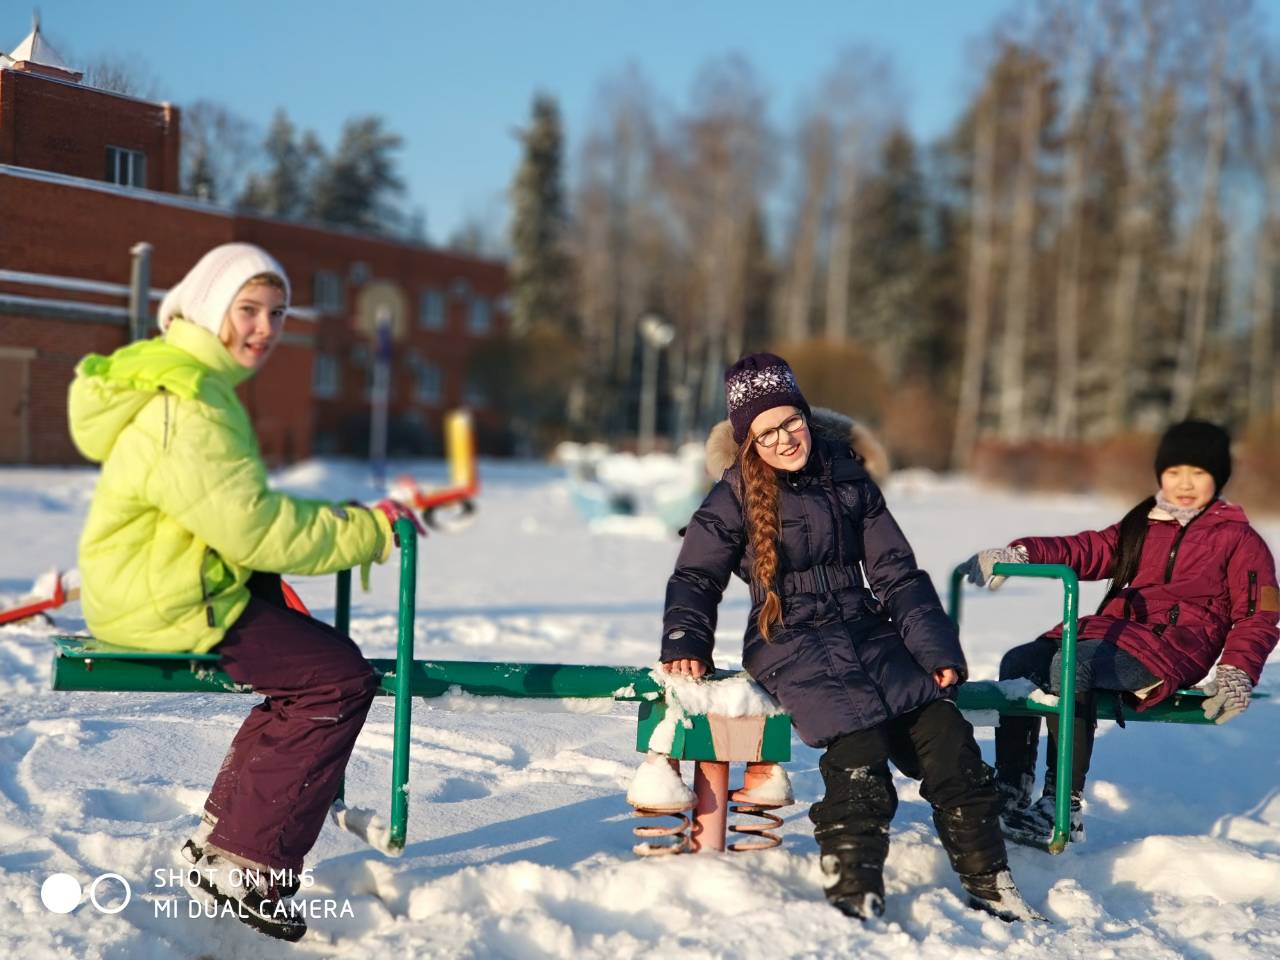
519,833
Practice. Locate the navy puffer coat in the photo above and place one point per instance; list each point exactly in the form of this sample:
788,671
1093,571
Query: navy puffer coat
845,658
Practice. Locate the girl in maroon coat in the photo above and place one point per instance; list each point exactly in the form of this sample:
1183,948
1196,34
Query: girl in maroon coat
1192,583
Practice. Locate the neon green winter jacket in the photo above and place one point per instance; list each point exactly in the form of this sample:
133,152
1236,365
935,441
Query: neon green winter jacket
182,515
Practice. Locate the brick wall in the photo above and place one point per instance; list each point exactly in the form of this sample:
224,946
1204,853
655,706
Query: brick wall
66,128
68,228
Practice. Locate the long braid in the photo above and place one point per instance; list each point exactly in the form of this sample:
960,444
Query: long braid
760,495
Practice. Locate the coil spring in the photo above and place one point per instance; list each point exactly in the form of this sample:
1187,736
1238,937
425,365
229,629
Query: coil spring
765,839
677,833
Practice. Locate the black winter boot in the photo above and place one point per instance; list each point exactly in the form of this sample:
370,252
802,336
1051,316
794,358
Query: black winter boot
1033,825
995,893
1017,740
851,825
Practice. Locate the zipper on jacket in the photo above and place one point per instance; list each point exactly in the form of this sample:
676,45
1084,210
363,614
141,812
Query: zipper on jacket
204,590
164,445
1173,615
1253,592
1177,542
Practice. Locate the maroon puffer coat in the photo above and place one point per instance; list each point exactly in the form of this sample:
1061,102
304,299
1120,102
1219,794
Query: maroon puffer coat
1203,590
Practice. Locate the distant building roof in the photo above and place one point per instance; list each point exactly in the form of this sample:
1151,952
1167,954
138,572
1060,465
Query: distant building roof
36,51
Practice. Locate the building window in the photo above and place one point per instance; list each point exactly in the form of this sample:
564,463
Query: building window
325,376
126,167
431,308
326,292
480,316
475,396
428,382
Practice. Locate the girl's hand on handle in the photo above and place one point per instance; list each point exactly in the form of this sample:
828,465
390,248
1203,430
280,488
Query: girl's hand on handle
686,668
947,676
979,568
395,510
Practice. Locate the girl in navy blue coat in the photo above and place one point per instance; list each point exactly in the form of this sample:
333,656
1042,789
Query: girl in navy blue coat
869,674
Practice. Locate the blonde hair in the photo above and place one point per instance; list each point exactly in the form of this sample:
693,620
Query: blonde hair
760,502
265,280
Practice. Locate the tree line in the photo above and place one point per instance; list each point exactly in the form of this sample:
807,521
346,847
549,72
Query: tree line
1090,250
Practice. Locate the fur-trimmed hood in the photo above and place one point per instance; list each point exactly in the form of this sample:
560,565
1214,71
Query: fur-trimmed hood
826,424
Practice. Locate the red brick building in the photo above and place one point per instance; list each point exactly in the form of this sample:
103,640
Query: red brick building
86,174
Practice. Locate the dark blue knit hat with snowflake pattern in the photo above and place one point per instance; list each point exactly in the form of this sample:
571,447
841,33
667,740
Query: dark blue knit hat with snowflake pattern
756,383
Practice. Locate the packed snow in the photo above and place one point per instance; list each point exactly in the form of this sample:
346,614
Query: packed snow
519,832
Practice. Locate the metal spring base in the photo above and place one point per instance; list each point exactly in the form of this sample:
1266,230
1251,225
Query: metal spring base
764,839
678,833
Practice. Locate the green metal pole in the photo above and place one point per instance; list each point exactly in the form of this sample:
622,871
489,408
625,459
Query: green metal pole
1067,687
957,591
404,669
342,623
342,605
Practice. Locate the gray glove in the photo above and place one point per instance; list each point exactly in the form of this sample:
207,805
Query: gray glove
978,567
1227,694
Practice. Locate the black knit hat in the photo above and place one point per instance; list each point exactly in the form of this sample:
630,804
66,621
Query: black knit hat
1196,443
756,383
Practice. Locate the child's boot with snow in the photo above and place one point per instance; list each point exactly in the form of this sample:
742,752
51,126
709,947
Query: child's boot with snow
250,892
851,825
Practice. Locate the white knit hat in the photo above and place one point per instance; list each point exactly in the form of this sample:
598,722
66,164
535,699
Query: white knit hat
204,295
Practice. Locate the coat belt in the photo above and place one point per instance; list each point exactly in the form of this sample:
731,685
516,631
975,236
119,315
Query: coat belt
818,579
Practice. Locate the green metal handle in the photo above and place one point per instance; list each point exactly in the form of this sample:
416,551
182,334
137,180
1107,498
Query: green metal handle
408,537
1066,708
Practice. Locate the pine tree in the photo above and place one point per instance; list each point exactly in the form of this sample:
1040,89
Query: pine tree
888,258
540,277
281,191
359,185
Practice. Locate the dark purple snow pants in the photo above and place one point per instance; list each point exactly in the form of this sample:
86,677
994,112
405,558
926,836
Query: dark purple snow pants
286,763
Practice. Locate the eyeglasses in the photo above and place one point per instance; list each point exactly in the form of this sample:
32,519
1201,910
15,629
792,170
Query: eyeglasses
791,426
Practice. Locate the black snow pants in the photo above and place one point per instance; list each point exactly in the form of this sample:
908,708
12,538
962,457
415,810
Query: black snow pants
933,744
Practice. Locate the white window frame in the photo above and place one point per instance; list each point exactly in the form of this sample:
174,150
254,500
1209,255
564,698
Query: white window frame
126,167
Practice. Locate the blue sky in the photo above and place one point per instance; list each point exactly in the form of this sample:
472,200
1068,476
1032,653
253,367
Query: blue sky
454,79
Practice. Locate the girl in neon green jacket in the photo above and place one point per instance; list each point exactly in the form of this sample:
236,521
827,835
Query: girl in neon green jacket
182,550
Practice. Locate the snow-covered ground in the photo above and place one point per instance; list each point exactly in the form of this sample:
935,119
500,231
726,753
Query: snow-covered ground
519,833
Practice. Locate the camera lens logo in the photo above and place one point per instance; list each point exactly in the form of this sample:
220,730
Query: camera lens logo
62,893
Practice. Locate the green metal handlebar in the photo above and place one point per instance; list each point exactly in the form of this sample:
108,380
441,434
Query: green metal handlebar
1066,708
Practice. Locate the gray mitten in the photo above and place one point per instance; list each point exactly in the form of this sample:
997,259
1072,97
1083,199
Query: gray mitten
1227,694
979,567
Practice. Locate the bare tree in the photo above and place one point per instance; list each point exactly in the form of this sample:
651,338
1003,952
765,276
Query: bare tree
217,149
816,145
1018,304
861,101
1204,251
981,276
1264,379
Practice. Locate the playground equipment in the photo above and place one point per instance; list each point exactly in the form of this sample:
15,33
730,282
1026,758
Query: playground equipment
36,604
709,740
464,479
85,664
713,741
1185,706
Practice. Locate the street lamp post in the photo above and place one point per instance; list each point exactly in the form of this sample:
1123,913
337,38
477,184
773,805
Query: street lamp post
657,335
